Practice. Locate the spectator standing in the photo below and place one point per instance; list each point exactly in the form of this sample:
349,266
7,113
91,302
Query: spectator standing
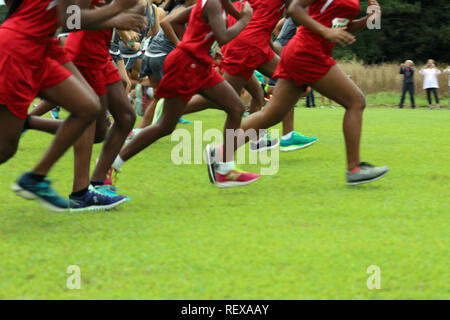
407,70
447,71
310,100
430,82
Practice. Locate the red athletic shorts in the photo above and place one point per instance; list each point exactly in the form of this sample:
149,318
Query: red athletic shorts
242,59
303,66
58,53
99,79
22,79
185,76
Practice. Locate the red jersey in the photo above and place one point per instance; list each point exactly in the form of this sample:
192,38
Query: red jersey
89,48
266,14
34,18
27,34
330,13
199,38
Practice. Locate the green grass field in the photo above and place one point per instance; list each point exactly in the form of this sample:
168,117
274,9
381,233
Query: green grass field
301,234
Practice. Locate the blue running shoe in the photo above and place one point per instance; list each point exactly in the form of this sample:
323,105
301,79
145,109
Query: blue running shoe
30,189
182,121
55,113
95,201
296,142
108,190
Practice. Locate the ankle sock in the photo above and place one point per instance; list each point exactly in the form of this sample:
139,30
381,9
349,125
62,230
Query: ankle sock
80,193
36,177
95,183
354,170
118,163
287,136
225,167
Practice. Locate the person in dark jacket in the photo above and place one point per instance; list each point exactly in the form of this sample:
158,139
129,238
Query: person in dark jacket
407,70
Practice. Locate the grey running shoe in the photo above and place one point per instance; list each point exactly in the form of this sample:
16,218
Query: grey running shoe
367,173
264,144
211,156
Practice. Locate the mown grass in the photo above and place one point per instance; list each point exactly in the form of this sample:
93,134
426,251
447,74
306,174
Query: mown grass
300,234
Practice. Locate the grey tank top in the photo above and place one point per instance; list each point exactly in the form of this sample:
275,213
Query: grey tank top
287,32
151,18
160,44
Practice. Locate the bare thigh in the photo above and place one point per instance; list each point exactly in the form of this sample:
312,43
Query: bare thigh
337,86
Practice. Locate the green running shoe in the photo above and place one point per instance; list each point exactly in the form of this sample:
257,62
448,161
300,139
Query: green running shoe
296,142
158,111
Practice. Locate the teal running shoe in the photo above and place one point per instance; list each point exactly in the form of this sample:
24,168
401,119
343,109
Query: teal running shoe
158,111
182,121
108,190
296,142
30,189
55,113
138,104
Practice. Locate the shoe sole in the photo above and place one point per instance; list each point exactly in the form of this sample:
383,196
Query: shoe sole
232,184
21,192
100,208
297,147
210,165
266,148
367,181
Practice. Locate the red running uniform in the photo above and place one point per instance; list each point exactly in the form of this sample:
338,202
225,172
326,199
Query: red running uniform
58,53
307,57
89,51
251,48
190,68
25,43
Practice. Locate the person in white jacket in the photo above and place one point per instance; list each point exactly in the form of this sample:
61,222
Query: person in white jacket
447,71
431,83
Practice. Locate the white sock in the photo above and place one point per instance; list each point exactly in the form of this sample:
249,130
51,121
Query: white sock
225,167
137,130
118,163
150,92
287,136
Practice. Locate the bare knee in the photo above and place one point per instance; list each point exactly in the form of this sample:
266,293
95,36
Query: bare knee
126,119
7,151
358,103
90,109
165,129
236,111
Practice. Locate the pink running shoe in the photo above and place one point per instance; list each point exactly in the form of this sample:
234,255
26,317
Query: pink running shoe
110,176
235,178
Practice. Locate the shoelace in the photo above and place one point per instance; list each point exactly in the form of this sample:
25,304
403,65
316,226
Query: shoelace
366,164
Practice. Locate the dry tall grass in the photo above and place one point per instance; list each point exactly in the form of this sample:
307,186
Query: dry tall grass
386,78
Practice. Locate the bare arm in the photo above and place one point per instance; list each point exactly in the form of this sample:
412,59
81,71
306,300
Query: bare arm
297,11
276,46
230,9
155,29
106,17
359,24
175,23
278,27
213,15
